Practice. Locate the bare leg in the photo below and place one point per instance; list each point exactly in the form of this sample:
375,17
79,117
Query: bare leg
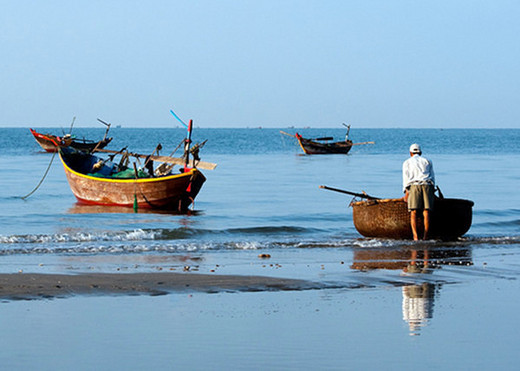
413,222
413,257
426,215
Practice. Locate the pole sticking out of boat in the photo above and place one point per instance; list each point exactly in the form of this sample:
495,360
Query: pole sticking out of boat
289,135
348,131
361,195
187,147
178,118
72,124
107,125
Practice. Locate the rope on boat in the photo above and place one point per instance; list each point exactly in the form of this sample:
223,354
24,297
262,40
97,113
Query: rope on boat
41,181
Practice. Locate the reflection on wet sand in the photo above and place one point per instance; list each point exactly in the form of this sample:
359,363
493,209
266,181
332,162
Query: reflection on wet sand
418,305
139,263
418,299
410,258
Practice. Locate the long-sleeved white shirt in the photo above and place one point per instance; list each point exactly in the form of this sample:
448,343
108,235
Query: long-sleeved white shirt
417,170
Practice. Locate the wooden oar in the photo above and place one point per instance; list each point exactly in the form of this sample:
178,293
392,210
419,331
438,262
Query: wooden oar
168,159
290,135
357,144
180,161
361,195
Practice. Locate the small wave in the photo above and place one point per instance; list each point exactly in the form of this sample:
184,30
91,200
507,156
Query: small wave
183,233
378,243
157,235
502,224
297,237
499,212
192,240
495,240
135,235
504,219
128,245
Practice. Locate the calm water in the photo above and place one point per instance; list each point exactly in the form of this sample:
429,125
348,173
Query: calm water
264,198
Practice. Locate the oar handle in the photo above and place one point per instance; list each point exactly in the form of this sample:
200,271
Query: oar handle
289,135
361,195
103,122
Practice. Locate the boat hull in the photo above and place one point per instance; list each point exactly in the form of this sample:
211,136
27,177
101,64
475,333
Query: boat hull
311,147
389,218
46,141
172,192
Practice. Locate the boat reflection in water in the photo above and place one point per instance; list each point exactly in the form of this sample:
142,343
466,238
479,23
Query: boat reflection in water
79,208
418,299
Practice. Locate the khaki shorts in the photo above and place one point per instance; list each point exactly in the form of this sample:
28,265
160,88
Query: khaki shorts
420,196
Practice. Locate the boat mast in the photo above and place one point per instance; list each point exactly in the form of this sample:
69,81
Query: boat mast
187,146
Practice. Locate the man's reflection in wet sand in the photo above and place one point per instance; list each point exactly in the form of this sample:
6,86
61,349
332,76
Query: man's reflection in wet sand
418,299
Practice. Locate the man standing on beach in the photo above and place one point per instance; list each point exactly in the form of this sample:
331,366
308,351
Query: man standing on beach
419,188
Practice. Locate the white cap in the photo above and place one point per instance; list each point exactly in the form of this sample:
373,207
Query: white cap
414,148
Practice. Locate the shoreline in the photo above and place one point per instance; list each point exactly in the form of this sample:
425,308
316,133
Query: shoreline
33,286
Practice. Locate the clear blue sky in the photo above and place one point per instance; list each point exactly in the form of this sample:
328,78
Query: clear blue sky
270,63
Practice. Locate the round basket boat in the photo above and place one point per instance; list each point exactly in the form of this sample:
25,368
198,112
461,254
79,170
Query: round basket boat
390,218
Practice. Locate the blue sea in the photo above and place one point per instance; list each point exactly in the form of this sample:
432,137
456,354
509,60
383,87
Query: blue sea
385,303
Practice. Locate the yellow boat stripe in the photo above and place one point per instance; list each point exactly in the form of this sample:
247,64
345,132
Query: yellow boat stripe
114,180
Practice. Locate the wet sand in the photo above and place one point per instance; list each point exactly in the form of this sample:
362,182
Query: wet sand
361,310
27,286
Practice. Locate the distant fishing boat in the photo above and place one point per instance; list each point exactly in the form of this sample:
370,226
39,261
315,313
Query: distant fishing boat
46,141
99,181
49,141
389,218
323,145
